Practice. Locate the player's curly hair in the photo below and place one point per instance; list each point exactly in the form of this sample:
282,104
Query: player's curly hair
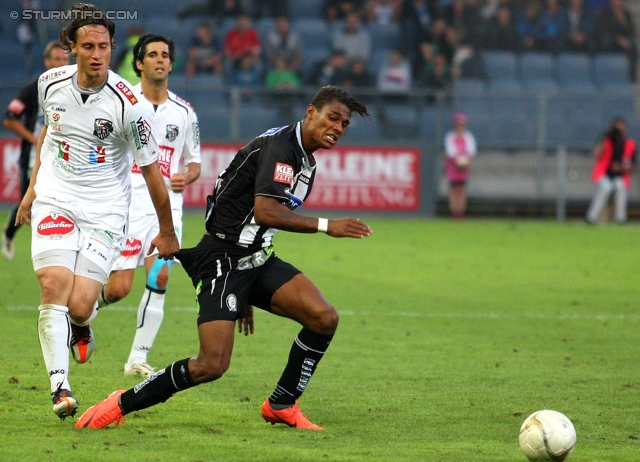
331,93
140,48
85,14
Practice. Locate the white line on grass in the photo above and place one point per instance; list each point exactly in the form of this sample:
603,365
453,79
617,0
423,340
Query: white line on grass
413,314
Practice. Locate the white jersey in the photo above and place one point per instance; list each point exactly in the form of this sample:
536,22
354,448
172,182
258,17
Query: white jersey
85,157
175,126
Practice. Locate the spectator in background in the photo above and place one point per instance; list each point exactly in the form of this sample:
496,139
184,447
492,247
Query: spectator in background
526,20
501,33
353,39
616,33
266,8
282,77
549,30
615,160
204,53
596,6
330,71
465,17
436,74
460,149
383,12
25,118
417,17
336,10
246,74
395,74
357,76
242,41
282,42
122,63
579,27
442,39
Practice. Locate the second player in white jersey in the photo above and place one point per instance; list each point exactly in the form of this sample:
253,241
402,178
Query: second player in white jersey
176,127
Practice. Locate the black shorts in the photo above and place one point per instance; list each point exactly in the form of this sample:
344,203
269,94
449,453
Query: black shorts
223,291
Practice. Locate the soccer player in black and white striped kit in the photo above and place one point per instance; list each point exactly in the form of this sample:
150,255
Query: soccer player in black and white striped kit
234,266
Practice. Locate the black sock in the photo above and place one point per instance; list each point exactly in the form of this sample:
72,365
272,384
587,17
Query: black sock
306,352
158,388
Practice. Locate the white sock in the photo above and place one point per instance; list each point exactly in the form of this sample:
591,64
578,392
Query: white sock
102,301
150,314
93,315
54,332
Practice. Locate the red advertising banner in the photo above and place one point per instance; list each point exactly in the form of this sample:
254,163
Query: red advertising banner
347,178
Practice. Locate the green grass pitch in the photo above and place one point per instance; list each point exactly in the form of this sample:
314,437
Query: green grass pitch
451,334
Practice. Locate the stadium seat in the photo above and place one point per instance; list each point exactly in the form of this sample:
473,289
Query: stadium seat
309,60
213,121
313,32
264,26
399,121
536,66
430,124
468,87
611,68
500,65
573,68
541,86
256,119
363,131
509,86
385,36
306,9
379,56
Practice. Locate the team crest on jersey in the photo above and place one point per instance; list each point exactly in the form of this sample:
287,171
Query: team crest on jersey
102,128
172,132
64,148
132,247
97,154
232,303
55,226
283,173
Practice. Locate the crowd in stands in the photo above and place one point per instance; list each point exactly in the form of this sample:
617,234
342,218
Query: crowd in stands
439,40
435,41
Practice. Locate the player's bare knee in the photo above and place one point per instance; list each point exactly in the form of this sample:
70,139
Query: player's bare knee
208,369
161,281
117,292
326,321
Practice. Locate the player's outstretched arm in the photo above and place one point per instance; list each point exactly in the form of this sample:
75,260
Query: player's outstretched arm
269,212
24,210
166,241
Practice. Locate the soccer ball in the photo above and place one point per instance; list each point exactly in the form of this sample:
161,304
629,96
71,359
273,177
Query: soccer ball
547,435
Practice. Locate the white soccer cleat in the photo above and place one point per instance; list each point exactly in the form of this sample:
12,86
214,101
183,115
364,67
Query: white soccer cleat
8,249
139,369
64,404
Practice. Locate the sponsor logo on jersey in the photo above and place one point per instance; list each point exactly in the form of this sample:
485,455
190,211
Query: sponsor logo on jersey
273,131
141,132
232,303
58,109
164,160
293,202
183,101
102,128
196,134
91,101
51,75
16,106
172,132
126,91
64,148
55,225
97,154
135,168
132,246
283,173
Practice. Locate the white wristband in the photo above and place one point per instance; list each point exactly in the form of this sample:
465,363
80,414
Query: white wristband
323,225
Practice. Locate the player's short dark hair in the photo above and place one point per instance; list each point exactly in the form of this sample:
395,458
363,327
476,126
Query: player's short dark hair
140,48
54,45
85,14
332,93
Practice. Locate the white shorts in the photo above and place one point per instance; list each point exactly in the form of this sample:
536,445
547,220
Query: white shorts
142,230
96,233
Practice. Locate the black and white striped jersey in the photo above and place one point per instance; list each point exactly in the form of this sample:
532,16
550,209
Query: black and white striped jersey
273,164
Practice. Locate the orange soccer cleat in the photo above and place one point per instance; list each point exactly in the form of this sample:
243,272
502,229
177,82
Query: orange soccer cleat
82,342
102,414
291,416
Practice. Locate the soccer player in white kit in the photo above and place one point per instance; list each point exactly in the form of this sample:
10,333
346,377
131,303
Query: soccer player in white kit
79,194
176,126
